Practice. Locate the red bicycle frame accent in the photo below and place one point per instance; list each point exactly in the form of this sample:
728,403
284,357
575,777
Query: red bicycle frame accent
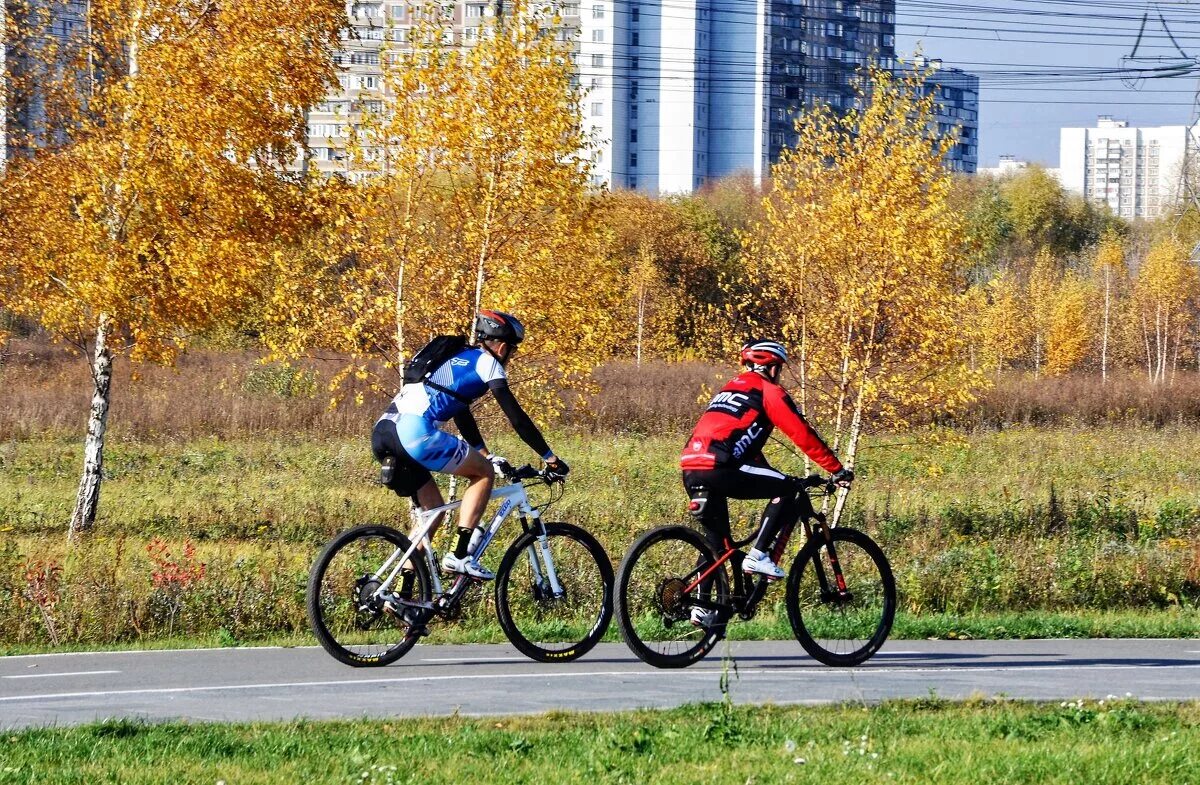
692,586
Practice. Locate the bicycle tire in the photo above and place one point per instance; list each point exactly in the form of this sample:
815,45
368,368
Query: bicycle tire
507,595
318,602
808,630
628,613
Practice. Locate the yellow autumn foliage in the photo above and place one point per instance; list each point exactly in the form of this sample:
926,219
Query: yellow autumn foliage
159,192
857,265
472,189
1069,327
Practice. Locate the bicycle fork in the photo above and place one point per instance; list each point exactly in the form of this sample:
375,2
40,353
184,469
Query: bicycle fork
838,592
545,578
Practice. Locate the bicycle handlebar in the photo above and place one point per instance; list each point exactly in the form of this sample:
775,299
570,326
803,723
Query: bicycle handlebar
527,472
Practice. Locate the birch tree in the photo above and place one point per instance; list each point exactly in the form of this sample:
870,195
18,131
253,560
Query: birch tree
858,265
1109,268
471,189
1166,292
1069,326
158,191
1043,283
1005,323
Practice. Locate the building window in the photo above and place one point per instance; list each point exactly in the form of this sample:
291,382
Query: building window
597,12
633,136
597,61
597,109
633,160
474,11
635,14
633,38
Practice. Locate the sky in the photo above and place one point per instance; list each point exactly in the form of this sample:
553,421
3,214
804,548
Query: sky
1048,64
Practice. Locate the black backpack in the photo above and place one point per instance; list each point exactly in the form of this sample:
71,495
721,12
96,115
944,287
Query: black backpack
430,358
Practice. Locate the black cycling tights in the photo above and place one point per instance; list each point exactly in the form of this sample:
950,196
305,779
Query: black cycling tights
787,495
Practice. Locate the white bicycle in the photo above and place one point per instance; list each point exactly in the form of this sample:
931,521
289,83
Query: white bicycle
372,592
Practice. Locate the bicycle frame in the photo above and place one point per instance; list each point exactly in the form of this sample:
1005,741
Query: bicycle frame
515,498
745,595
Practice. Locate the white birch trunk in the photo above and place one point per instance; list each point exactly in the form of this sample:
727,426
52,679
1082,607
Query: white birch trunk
641,322
1146,341
1104,340
87,501
487,235
1037,354
851,450
400,358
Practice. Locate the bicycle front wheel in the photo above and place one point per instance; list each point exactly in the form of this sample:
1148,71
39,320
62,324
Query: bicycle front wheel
544,625
844,622
352,621
656,595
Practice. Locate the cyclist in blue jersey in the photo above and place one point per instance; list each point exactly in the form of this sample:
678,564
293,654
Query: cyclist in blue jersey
410,431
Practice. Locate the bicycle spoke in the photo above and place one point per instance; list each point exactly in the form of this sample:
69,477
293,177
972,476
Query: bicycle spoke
841,626
554,625
656,605
363,625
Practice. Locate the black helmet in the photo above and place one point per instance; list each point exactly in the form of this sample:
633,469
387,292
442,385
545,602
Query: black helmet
499,326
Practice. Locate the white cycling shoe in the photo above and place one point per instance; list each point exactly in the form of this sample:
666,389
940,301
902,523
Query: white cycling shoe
467,565
759,563
702,617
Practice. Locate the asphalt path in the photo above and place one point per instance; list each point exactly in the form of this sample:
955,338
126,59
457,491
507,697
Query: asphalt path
286,683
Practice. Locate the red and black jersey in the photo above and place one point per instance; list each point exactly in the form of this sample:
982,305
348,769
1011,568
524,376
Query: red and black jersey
740,419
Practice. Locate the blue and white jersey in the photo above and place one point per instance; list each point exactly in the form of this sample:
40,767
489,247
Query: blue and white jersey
466,373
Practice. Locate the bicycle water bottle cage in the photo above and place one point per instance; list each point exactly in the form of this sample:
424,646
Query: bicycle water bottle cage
697,503
387,471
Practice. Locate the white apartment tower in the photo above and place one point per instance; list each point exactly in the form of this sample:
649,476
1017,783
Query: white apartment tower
713,87
676,91
1135,171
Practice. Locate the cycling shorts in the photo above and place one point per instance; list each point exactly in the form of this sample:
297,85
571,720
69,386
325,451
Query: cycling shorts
408,477
430,446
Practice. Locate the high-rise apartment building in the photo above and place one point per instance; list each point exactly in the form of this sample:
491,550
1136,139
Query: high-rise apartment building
1135,171
713,87
22,100
676,91
956,101
374,25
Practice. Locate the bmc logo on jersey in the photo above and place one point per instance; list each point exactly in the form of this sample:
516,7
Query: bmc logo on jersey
741,445
734,403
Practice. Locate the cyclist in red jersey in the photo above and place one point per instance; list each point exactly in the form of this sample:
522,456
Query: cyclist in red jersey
724,454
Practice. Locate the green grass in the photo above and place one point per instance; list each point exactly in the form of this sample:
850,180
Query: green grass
303,491
1019,533
912,742
769,625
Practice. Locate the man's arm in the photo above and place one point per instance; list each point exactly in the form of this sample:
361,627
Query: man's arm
783,412
521,423
469,430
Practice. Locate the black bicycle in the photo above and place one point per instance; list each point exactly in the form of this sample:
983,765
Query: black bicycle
841,596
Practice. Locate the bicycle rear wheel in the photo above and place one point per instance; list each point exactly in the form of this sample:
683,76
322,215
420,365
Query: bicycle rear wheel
653,605
350,622
548,628
841,625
